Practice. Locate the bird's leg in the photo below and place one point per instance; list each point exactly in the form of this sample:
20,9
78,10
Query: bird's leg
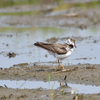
62,66
58,63
58,67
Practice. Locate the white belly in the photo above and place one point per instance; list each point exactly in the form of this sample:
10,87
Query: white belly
61,57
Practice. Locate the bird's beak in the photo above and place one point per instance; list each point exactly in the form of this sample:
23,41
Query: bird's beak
75,45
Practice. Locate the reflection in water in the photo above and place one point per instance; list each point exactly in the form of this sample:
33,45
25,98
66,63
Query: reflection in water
65,89
70,88
20,41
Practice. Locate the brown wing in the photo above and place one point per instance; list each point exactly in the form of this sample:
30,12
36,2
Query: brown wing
56,48
59,48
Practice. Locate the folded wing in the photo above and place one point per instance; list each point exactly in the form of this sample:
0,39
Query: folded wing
55,48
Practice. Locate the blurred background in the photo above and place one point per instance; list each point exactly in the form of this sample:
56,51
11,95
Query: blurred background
50,13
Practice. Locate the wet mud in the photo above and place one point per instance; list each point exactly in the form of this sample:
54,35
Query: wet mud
88,39
80,73
87,74
11,54
41,94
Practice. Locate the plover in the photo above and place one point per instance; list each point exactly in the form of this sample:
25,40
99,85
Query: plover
60,51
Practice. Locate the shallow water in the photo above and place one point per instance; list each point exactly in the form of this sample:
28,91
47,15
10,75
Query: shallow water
21,42
78,88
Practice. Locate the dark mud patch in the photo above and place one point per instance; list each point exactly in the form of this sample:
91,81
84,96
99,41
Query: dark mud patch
82,58
87,39
52,40
11,54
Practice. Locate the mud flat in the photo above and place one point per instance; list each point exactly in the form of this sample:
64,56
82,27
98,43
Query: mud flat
87,74
41,94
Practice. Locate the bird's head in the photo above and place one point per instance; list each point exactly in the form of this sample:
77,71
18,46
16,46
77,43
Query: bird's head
71,41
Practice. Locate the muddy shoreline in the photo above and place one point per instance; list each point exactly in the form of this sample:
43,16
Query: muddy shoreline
30,94
80,74
87,74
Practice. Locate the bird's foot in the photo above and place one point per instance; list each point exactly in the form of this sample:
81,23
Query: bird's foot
65,70
58,69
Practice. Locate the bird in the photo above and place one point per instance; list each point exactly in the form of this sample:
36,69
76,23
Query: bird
58,50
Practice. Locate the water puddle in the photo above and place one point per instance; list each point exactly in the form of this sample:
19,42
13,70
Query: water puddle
20,41
78,88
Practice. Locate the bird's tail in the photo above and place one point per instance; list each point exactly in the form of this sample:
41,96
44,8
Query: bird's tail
37,44
43,45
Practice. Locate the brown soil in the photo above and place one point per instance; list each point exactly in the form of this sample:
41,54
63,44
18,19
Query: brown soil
81,74
40,94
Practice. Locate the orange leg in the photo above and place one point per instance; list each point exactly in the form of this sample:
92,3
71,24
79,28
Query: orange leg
62,66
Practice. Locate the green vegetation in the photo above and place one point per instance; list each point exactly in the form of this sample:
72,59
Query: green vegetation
63,6
50,90
88,5
20,13
44,30
7,3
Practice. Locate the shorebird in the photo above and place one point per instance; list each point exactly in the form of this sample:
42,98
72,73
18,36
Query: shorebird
59,51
